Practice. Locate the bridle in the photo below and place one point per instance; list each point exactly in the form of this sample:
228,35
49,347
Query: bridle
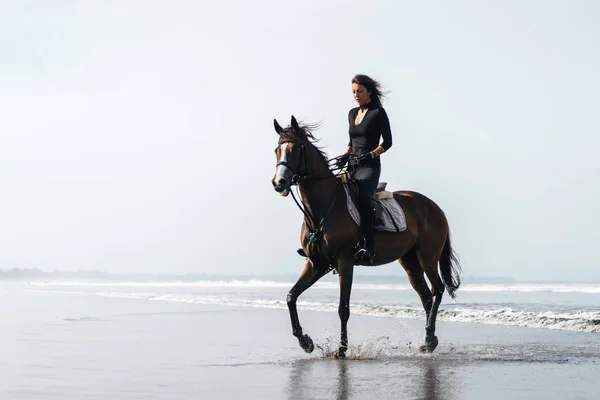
297,178
315,228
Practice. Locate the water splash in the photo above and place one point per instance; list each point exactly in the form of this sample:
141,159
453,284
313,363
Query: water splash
371,348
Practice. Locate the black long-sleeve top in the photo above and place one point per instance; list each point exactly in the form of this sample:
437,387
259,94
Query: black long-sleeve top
365,136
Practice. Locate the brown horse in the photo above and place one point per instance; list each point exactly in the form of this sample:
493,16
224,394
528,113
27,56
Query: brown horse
329,235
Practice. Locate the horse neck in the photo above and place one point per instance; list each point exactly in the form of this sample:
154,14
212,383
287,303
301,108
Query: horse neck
318,192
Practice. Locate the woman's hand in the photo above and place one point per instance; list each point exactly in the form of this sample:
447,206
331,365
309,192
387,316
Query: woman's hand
377,152
365,157
342,161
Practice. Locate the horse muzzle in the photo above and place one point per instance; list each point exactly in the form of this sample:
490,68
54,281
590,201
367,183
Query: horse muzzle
282,187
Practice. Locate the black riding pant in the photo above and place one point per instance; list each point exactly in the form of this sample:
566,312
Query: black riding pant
367,179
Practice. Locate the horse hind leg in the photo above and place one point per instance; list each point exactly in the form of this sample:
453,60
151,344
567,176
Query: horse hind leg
413,269
429,262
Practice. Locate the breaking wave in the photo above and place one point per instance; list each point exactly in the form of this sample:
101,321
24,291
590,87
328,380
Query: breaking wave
579,321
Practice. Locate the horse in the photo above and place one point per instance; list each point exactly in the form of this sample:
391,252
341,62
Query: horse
329,235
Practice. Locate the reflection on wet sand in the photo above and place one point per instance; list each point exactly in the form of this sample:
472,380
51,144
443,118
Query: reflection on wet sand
318,378
349,379
342,386
429,381
297,381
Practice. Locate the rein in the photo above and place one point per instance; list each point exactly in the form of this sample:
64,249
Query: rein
317,227
315,233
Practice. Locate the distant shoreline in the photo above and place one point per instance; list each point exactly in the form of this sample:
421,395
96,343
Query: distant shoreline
34,274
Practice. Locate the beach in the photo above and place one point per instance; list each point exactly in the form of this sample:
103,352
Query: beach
78,345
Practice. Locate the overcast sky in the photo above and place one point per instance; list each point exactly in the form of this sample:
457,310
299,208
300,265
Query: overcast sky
136,136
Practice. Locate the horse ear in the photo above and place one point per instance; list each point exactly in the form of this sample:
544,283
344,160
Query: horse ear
278,127
295,124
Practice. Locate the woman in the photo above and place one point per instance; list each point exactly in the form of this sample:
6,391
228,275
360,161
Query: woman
368,124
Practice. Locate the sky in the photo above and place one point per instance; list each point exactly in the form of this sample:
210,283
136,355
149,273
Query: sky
137,136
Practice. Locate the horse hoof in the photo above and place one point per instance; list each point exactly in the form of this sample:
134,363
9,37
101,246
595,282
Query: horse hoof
341,353
429,345
306,343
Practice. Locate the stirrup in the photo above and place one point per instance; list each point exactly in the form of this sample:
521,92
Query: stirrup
363,253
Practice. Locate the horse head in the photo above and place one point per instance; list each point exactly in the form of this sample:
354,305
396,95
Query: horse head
295,155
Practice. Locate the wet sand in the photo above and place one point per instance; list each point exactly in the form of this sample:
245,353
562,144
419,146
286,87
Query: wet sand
67,346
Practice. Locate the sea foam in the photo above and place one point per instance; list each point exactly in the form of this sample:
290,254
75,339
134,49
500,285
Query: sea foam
576,321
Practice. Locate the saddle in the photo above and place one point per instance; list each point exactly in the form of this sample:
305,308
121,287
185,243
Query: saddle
380,194
393,220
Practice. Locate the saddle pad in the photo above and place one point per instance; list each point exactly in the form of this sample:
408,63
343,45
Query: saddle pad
391,209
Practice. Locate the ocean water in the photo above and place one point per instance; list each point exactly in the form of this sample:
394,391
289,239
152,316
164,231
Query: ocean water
558,306
229,339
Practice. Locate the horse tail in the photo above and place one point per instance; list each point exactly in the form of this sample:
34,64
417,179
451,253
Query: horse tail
450,268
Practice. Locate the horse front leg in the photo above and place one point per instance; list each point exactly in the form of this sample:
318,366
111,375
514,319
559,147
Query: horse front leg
307,278
346,273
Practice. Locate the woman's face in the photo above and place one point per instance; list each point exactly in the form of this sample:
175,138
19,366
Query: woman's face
360,93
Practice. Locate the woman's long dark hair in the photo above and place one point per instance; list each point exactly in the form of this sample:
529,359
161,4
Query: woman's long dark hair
372,86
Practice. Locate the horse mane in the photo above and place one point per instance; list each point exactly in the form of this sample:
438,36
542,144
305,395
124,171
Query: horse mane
305,136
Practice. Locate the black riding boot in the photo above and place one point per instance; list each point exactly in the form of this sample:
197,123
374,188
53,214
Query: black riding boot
367,252
369,233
